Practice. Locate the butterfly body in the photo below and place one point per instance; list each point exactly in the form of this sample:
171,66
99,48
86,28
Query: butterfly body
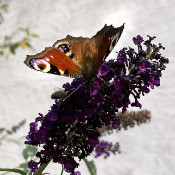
76,56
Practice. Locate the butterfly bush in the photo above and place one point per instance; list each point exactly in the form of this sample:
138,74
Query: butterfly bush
71,128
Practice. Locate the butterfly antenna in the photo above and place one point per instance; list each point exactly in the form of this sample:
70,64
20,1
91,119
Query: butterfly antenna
103,81
74,91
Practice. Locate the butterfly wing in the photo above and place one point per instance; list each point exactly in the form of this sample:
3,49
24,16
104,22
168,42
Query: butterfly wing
78,47
107,38
76,56
54,60
98,48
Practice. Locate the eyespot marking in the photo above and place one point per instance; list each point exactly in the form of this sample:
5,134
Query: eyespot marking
40,64
64,48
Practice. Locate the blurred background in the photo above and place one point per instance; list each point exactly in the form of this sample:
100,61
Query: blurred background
148,149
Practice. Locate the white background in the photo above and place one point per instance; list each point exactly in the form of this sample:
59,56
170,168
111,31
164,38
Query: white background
146,150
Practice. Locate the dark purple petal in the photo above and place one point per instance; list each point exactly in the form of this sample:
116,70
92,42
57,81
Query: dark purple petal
93,142
70,165
117,84
95,88
136,104
121,58
52,115
103,70
33,165
144,65
137,40
145,89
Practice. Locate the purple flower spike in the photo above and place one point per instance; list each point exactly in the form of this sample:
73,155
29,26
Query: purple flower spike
104,148
71,129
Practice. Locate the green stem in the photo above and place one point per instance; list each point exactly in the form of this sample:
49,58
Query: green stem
91,166
13,170
62,170
86,162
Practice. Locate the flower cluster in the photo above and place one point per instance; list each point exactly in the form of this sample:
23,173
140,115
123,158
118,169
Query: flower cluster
128,120
104,148
71,128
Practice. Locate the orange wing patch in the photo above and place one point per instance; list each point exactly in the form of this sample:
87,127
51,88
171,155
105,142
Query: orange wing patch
61,61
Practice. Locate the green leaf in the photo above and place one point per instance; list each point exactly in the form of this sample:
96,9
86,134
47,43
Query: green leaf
29,45
4,7
6,37
29,173
24,166
25,30
13,47
22,29
29,152
91,166
1,18
34,35
13,170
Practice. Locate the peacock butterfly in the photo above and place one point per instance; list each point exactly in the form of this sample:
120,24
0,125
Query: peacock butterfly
76,56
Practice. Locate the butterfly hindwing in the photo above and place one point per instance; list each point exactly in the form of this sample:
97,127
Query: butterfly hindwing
110,37
99,46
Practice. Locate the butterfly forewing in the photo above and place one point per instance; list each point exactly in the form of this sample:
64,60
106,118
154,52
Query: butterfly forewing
53,60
